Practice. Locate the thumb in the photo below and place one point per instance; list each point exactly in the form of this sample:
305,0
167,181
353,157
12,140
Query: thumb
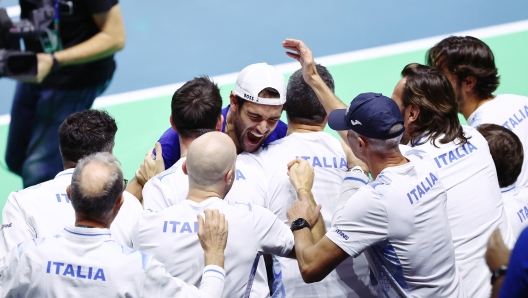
318,208
159,152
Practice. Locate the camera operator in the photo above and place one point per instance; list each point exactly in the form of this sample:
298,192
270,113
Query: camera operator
68,80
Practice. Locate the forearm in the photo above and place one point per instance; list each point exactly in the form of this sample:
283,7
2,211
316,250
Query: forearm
496,287
327,98
136,189
304,244
318,229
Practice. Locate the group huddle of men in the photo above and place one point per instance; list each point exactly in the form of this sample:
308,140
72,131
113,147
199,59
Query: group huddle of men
232,202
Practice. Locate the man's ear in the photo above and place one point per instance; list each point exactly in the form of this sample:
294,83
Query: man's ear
233,102
362,143
229,177
469,83
68,191
184,167
219,123
172,124
414,112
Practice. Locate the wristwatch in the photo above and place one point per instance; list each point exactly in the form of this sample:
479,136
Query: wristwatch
497,273
55,66
299,223
359,169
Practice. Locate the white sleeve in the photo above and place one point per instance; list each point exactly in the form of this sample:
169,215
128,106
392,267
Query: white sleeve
361,223
125,221
15,229
156,195
352,182
14,279
159,283
272,235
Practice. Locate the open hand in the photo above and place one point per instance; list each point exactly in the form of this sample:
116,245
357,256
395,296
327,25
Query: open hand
304,55
213,236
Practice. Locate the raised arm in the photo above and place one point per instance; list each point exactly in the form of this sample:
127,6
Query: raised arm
304,55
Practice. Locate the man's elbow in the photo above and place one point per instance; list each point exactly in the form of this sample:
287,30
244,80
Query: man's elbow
311,274
119,43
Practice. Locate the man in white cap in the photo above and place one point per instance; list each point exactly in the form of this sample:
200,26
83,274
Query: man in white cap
251,119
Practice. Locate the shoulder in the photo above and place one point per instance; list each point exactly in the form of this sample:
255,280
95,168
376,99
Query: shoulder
32,244
131,201
137,257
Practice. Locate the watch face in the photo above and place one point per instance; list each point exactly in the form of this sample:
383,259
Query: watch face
299,223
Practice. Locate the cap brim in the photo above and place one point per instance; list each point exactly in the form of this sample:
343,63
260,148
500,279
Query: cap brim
337,120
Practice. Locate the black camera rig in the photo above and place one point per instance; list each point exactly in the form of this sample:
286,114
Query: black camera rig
13,62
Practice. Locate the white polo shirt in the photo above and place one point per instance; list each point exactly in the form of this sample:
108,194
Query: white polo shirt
515,200
326,155
44,210
474,204
400,221
170,235
81,262
510,111
172,185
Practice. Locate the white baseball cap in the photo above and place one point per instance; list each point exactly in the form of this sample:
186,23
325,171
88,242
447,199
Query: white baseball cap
255,78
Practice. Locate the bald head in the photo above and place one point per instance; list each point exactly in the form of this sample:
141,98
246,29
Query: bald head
97,185
209,159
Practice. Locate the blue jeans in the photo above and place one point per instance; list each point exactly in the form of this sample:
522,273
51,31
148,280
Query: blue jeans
33,141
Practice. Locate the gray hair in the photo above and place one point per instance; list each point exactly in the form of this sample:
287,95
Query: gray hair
378,145
95,193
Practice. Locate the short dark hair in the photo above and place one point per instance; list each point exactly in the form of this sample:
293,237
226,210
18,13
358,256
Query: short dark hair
269,92
467,56
302,105
196,107
96,205
430,90
87,132
507,152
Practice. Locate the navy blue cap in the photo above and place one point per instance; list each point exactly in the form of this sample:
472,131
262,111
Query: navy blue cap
370,115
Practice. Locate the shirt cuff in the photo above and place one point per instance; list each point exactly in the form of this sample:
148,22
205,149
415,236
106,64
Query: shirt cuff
356,179
215,271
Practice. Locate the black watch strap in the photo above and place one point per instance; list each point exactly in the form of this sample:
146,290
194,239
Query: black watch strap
299,223
498,273
56,66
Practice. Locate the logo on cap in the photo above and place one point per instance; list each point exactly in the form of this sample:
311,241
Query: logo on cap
355,122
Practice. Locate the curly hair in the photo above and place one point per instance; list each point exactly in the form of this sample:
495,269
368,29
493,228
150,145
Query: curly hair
467,56
87,132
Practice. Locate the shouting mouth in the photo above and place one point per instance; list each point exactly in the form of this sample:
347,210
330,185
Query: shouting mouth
254,138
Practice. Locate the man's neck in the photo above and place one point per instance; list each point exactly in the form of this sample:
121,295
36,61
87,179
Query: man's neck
81,221
378,163
471,104
68,164
303,128
199,195
184,145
